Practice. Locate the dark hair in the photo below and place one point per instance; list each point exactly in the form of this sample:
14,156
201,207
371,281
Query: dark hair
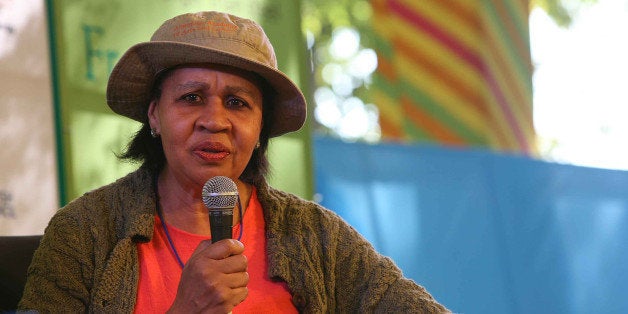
148,150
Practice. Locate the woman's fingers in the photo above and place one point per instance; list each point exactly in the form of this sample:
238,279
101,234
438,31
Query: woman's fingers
214,277
219,250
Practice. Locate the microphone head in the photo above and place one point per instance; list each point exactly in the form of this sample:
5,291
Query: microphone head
220,193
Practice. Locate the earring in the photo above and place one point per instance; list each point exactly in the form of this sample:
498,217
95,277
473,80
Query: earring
258,145
153,133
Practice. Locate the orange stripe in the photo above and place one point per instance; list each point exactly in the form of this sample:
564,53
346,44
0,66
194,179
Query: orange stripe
379,7
513,34
512,84
455,18
519,99
465,13
445,76
391,117
386,68
499,136
421,119
391,130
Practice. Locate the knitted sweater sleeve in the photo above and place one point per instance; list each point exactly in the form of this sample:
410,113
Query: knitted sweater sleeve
330,267
87,260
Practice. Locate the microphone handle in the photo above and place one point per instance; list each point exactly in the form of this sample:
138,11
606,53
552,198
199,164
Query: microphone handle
220,222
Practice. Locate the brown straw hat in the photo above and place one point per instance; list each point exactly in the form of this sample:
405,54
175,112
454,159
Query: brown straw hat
203,37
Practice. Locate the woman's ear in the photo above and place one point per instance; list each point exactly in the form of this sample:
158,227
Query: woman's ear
153,115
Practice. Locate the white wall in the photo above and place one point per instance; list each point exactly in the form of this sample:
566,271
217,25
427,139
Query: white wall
28,173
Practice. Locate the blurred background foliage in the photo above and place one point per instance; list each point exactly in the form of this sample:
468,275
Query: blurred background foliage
339,39
561,11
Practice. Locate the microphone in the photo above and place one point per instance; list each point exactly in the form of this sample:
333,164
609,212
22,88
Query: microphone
220,195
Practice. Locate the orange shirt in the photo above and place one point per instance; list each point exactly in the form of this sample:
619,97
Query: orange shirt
160,273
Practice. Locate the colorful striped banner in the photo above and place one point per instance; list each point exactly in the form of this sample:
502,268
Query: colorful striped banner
455,72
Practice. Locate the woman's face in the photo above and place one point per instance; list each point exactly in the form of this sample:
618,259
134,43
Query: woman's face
209,119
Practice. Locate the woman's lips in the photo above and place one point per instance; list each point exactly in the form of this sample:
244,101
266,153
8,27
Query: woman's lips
211,151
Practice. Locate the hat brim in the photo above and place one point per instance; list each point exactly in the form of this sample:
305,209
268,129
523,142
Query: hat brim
132,79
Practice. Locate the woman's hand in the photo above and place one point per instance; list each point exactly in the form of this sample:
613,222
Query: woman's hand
214,279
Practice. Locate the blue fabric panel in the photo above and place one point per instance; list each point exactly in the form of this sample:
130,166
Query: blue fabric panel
484,232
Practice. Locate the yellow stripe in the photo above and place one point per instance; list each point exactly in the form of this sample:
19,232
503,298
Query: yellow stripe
441,54
521,109
493,125
381,25
441,93
491,137
389,107
467,5
498,122
498,50
511,84
390,110
493,40
468,90
499,127
438,14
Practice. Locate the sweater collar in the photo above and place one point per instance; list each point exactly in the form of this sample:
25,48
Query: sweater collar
138,206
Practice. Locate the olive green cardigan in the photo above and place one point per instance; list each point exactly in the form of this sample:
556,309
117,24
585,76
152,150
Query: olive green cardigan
88,261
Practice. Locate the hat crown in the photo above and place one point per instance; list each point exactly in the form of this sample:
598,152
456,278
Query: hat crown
221,32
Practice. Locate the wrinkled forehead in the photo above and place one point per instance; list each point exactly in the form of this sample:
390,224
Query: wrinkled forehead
252,77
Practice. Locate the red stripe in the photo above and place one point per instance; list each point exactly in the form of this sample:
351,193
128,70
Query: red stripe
471,97
421,22
390,129
426,122
501,100
386,68
509,78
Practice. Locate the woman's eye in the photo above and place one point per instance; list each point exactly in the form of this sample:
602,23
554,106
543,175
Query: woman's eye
236,103
191,97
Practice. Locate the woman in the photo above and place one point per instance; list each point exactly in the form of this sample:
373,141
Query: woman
209,95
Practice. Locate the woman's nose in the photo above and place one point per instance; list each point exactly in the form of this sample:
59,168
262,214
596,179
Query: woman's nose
214,116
